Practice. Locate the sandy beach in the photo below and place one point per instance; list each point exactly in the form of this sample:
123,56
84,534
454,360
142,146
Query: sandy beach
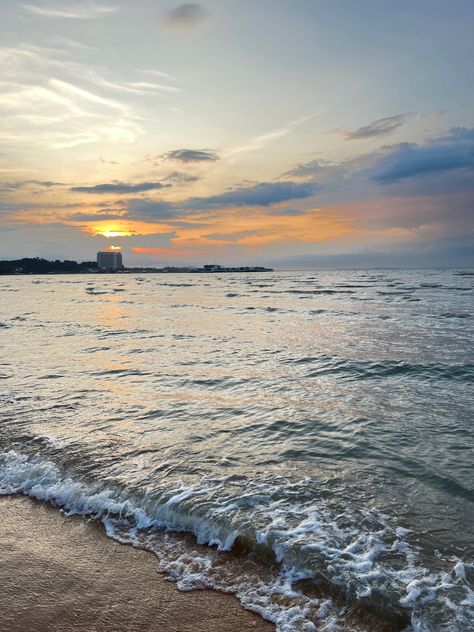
61,574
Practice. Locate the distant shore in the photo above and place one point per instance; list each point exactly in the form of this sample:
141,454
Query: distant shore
36,265
62,574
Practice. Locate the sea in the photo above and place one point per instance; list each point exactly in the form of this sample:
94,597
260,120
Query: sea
303,440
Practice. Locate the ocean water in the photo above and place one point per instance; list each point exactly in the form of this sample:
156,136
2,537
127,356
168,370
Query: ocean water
302,439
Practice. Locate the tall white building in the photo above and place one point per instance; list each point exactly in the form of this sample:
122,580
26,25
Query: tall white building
110,261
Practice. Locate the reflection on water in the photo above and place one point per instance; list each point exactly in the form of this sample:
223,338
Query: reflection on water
321,417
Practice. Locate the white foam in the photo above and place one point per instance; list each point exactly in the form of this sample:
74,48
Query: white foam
308,542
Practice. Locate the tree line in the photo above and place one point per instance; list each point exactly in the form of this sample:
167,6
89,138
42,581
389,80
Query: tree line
36,265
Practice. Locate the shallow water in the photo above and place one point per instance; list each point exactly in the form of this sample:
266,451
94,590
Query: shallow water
318,425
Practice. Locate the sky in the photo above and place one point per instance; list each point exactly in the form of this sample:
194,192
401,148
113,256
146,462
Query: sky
292,133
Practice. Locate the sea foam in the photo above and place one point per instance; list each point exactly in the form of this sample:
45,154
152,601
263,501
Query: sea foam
348,559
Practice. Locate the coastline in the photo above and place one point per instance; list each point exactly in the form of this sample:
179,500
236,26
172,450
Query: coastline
60,573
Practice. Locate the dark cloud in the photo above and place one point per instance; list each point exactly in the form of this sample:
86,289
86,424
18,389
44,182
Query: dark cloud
381,127
438,166
152,209
120,187
26,184
263,194
91,217
191,155
186,15
407,160
181,178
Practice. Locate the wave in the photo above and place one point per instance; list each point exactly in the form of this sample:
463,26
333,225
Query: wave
301,564
321,364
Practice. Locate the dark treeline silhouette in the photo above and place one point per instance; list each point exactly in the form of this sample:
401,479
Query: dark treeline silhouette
36,265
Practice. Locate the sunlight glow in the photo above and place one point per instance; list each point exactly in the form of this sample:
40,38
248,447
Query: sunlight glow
113,233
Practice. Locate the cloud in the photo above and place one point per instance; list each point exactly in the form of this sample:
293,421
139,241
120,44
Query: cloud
82,11
191,155
8,208
181,178
186,15
25,184
439,166
159,73
142,87
260,141
153,209
231,237
94,217
120,187
286,212
408,160
318,171
43,101
263,194
381,127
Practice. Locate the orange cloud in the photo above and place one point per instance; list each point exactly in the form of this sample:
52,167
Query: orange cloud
257,228
122,228
236,231
181,254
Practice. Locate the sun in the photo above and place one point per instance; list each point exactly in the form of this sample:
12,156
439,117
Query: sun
120,229
111,230
114,233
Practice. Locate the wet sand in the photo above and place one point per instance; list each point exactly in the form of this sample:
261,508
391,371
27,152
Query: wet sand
61,574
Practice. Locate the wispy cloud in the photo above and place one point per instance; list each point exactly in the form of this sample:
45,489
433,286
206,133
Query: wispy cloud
82,10
73,44
186,15
380,127
64,87
49,98
260,141
159,73
141,87
40,62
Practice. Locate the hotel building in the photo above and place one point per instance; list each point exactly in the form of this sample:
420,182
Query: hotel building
109,261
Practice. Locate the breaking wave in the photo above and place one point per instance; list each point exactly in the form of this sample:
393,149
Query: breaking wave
298,563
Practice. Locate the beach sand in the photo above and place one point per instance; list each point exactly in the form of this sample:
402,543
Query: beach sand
61,574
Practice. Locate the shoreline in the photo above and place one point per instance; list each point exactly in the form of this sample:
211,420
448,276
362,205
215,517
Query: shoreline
63,574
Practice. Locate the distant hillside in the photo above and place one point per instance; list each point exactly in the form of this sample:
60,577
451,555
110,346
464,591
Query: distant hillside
36,265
